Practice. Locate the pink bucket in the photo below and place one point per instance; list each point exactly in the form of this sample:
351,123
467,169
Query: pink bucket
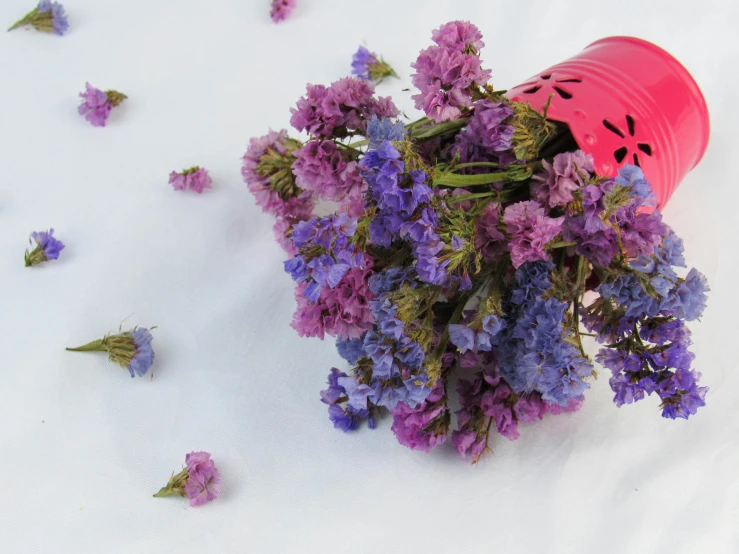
627,101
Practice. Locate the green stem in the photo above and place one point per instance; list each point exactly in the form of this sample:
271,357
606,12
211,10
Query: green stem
26,20
440,129
463,197
452,180
94,346
476,164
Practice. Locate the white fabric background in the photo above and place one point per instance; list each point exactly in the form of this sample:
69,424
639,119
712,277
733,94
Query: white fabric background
84,446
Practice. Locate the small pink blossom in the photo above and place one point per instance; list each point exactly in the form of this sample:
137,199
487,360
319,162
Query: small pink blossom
195,178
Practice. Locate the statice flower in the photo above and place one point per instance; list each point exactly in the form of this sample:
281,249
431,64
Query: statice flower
267,171
130,349
48,17
281,9
343,413
200,480
535,354
567,173
350,349
368,65
340,109
446,73
342,311
425,426
633,177
322,169
47,248
97,104
486,128
380,130
489,241
462,36
196,179
531,231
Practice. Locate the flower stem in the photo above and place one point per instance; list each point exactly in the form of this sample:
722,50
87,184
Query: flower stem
25,20
94,346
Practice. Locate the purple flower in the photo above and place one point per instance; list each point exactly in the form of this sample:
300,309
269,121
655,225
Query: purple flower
350,349
342,388
489,241
681,396
380,130
267,171
281,9
47,248
567,173
344,107
368,65
426,425
321,169
531,231
459,35
632,176
462,337
200,480
96,104
204,480
196,179
486,127
48,17
444,77
130,349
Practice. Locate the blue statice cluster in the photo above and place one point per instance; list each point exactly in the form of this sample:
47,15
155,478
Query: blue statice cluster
475,338
644,312
654,288
327,252
536,352
341,410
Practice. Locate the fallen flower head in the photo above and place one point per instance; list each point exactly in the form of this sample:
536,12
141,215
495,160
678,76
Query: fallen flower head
47,248
97,104
200,480
48,17
196,178
131,349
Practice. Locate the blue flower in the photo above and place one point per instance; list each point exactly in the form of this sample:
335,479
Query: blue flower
144,356
350,349
380,130
462,337
632,176
297,268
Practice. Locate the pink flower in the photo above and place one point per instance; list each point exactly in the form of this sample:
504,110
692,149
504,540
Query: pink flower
281,9
97,104
342,311
531,231
203,485
458,35
267,170
195,178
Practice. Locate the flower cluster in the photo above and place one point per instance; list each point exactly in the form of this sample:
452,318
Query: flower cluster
48,17
464,242
199,481
196,179
97,104
449,74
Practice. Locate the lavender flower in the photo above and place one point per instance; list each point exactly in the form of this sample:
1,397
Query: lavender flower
48,17
200,480
446,73
131,350
281,9
196,179
344,389
96,105
567,173
531,231
367,65
47,248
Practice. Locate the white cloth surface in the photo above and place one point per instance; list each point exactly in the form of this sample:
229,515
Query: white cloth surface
84,446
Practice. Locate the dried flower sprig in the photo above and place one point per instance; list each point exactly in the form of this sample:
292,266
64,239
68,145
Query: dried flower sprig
97,104
196,178
200,480
47,248
48,17
370,66
130,349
